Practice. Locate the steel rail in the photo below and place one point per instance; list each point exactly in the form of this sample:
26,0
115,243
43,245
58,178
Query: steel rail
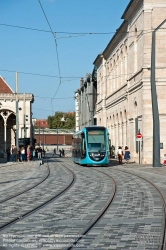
22,180
43,204
163,199
25,190
97,217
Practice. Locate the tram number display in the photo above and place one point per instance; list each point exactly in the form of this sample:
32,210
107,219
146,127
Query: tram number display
95,132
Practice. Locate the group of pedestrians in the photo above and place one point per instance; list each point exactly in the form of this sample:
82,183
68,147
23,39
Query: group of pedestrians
23,154
126,154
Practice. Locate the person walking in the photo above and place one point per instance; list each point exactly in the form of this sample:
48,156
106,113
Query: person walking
34,154
22,157
8,154
60,153
120,153
164,159
14,153
39,154
28,153
127,154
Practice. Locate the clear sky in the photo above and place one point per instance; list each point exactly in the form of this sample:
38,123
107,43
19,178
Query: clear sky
28,47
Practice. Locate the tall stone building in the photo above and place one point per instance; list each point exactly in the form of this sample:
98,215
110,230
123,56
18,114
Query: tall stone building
124,103
85,101
8,116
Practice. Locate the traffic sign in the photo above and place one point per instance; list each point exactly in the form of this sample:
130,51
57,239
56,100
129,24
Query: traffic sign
139,136
139,139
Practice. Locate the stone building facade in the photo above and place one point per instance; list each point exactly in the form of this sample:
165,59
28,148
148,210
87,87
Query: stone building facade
124,103
8,116
85,101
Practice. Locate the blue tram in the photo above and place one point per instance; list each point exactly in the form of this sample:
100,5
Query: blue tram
90,146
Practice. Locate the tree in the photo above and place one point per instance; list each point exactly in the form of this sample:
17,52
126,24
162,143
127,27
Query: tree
56,120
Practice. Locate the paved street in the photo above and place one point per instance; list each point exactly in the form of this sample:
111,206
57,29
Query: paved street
73,198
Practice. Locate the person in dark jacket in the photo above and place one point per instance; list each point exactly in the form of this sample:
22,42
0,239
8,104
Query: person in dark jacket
8,154
14,153
127,154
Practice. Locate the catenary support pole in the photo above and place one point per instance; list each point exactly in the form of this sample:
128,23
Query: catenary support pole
57,138
156,122
17,116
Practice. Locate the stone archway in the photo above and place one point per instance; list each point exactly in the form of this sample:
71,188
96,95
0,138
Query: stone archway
7,129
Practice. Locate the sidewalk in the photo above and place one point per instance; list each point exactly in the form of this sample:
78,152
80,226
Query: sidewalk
115,162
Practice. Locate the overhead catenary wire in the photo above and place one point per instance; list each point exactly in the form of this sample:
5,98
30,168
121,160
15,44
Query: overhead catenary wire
67,32
38,74
56,45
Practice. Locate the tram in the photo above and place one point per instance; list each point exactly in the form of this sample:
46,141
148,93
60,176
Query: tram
90,146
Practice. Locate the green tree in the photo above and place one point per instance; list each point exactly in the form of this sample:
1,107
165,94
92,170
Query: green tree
56,120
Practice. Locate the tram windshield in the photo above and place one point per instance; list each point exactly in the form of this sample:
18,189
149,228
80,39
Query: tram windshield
96,140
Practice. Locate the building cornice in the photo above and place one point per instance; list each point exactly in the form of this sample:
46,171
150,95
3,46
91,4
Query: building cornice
121,34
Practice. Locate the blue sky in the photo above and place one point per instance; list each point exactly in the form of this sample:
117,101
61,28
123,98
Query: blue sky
33,54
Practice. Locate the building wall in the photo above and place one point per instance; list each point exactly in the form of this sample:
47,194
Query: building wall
123,79
8,114
51,139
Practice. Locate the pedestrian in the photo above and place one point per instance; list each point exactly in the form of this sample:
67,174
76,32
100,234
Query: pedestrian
127,154
28,153
39,154
22,156
60,153
34,154
14,153
43,152
63,152
164,159
54,151
120,154
8,154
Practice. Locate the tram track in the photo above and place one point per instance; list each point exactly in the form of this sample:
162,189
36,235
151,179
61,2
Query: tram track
27,189
163,199
35,209
10,183
77,242
97,217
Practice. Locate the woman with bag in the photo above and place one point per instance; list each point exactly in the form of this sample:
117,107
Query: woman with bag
127,154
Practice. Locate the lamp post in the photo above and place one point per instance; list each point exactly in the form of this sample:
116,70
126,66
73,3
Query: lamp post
156,122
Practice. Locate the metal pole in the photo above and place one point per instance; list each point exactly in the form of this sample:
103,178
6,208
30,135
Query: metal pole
17,116
39,135
156,122
24,117
139,152
43,138
57,138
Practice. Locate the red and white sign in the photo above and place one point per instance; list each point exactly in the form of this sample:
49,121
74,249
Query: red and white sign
139,137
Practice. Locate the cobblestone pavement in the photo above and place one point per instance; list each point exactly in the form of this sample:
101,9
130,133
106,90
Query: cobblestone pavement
133,221
135,215
70,213
37,174
59,178
12,174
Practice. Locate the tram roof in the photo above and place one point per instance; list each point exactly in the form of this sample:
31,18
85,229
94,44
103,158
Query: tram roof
92,126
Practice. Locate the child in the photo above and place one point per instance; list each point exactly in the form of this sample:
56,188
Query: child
164,159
